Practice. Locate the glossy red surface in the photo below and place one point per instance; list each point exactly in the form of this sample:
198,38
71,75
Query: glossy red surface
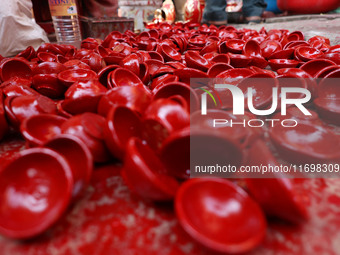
229,220
145,174
122,124
157,122
79,159
47,192
38,129
320,144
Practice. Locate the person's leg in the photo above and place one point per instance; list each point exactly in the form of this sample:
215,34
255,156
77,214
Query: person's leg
253,9
214,12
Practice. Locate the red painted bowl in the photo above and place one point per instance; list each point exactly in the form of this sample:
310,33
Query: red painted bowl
329,109
239,61
218,68
34,196
262,85
21,107
37,129
15,67
46,57
276,64
319,145
132,97
329,86
123,77
89,127
305,53
48,68
145,174
252,49
268,47
195,60
314,66
68,77
186,74
325,71
282,54
163,79
83,96
169,53
122,123
177,88
163,117
48,85
235,45
278,198
78,157
229,220
131,62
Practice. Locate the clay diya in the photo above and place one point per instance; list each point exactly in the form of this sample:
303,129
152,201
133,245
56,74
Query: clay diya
134,98
89,128
234,46
155,55
94,61
252,49
316,65
195,60
83,96
329,86
78,157
239,60
195,141
15,67
49,68
46,57
131,63
225,205
282,54
154,65
186,74
145,174
305,53
123,77
103,74
278,198
328,109
177,88
21,107
325,71
218,68
77,64
163,79
262,85
122,124
276,64
70,76
333,56
162,117
319,144
34,196
269,47
48,85
221,58
169,53
37,129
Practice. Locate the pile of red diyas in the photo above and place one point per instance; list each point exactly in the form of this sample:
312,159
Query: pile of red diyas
128,98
